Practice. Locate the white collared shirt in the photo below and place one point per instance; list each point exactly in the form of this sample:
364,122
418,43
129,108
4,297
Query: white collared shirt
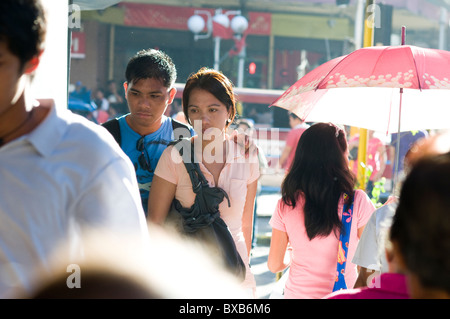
63,179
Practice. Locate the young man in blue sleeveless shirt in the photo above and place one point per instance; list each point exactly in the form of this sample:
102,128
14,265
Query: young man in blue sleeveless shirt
145,131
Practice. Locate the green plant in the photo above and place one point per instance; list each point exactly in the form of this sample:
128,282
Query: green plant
378,186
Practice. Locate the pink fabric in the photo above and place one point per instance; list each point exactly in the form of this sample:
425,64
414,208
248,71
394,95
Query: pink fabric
237,173
313,266
102,116
386,286
292,141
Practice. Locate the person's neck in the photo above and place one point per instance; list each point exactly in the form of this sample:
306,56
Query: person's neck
143,130
214,150
14,122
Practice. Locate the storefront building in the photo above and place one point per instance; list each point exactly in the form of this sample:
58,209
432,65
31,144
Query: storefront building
283,41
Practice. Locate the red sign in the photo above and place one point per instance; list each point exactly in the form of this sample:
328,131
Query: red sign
259,23
175,18
78,47
157,16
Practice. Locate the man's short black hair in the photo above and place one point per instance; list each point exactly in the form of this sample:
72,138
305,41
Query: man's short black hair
151,63
23,27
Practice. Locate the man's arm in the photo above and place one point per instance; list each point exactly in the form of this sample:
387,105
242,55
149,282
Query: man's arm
162,193
363,276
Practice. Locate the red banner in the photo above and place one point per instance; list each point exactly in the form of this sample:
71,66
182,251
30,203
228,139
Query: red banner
78,45
259,23
157,16
175,18
239,44
222,31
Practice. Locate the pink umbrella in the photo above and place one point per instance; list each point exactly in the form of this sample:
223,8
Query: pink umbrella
382,88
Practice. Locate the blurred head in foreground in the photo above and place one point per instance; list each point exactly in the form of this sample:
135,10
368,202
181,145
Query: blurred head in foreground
420,232
122,268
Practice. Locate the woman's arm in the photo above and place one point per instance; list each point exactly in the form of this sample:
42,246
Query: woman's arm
279,256
160,198
247,216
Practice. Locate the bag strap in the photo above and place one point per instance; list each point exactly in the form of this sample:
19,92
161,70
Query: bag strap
180,129
114,128
344,240
198,180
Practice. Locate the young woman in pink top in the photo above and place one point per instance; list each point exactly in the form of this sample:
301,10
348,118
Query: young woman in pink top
307,221
209,105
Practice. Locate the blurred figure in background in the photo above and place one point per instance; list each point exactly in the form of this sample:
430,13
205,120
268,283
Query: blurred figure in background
407,139
80,92
297,129
246,126
115,97
376,158
102,113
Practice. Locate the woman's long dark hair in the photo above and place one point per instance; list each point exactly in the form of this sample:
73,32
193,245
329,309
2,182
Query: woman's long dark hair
320,173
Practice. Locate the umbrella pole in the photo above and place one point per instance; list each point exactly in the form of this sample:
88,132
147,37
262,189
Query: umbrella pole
397,146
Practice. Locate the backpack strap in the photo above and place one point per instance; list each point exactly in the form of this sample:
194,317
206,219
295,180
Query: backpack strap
192,167
198,180
114,128
180,129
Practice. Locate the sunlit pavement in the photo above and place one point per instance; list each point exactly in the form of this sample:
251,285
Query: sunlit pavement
265,280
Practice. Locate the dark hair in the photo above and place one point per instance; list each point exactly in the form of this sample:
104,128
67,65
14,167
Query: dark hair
151,63
294,116
321,174
421,225
23,27
97,284
215,83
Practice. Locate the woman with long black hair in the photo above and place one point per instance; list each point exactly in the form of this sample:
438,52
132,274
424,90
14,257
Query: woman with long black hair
309,222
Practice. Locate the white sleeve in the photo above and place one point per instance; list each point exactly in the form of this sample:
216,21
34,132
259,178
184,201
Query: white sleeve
366,254
111,201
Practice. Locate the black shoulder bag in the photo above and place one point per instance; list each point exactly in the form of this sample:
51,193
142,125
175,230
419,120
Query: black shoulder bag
202,220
